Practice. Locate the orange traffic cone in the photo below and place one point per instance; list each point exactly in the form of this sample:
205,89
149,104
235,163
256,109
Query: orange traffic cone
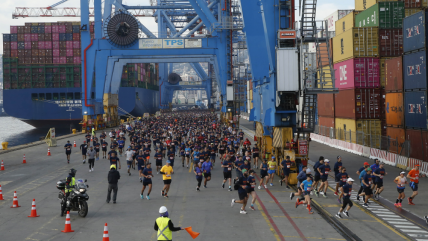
24,161
49,152
2,166
1,194
75,144
193,234
105,235
15,201
67,228
33,210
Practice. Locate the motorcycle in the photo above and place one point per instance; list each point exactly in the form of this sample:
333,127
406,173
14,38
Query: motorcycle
77,200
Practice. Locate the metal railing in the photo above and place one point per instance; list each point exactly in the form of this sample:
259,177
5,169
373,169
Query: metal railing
386,143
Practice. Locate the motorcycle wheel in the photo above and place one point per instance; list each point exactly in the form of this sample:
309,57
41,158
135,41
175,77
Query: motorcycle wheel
83,209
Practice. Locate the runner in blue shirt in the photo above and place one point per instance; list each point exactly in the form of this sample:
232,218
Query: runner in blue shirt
317,177
285,165
207,167
366,164
342,177
196,156
379,175
67,148
263,173
147,181
187,152
227,171
120,143
198,172
346,190
306,186
336,169
250,190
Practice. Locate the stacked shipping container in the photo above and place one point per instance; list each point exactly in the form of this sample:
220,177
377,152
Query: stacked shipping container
140,75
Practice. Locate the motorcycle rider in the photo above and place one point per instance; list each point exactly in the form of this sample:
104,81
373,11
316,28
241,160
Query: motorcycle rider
70,181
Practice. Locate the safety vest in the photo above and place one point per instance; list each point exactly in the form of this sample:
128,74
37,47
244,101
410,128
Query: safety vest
163,230
72,183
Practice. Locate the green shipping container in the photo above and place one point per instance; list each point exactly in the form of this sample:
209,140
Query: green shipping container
385,15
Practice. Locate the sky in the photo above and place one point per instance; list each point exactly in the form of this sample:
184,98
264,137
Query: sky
325,8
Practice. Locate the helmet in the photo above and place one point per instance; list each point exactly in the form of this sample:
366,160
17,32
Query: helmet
163,209
113,166
308,171
73,172
350,180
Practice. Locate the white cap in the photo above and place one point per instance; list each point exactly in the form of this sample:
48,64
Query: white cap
163,209
308,171
326,160
350,180
403,172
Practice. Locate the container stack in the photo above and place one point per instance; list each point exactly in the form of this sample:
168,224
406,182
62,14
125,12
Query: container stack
415,84
140,75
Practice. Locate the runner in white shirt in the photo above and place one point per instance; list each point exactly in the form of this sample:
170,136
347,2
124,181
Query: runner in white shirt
129,158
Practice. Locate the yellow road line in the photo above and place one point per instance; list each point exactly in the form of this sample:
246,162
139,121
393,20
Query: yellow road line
314,238
267,221
191,168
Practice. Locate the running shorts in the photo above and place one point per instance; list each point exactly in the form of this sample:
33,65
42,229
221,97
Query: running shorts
168,181
145,183
104,149
255,155
368,191
129,163
140,168
83,153
336,179
324,178
379,184
414,186
242,195
158,163
317,177
227,175
347,201
400,190
263,174
68,152
286,171
206,175
271,171
307,193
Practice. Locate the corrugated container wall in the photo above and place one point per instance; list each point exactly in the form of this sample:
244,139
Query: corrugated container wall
326,105
357,73
327,122
410,11
415,72
371,128
382,71
323,54
397,136
361,5
415,3
394,74
390,42
385,15
288,70
345,23
418,144
358,104
332,18
356,43
394,109
415,115
414,32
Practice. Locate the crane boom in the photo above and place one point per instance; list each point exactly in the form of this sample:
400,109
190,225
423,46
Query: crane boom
30,12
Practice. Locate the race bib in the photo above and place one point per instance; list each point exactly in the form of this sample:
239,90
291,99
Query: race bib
343,179
326,172
248,158
159,158
381,177
370,182
272,166
288,166
229,168
168,175
199,174
171,158
416,178
308,189
187,152
253,186
68,149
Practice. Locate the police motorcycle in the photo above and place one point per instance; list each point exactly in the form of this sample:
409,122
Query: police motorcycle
76,200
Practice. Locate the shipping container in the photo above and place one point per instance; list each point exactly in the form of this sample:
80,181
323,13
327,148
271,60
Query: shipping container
414,32
288,70
414,71
332,18
394,109
415,115
382,71
361,5
362,132
357,73
396,136
418,144
347,22
322,54
415,3
356,43
325,105
390,42
311,47
385,15
394,74
327,124
358,104
410,11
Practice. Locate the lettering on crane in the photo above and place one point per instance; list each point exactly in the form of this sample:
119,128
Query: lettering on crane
173,43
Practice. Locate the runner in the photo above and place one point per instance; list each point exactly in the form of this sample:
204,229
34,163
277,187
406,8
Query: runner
84,149
413,175
317,174
346,191
285,165
167,171
207,167
362,169
324,170
198,172
141,159
374,167
120,144
251,181
68,148
271,171
256,154
306,186
171,155
182,151
188,150
147,181
342,177
114,160
263,174
300,178
129,158
401,182
158,157
242,191
367,181
379,174
336,169
227,171
104,145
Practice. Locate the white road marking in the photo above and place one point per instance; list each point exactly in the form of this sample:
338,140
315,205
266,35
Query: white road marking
382,212
412,227
388,215
418,235
413,231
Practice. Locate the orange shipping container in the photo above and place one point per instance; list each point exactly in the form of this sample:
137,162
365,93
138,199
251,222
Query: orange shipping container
396,136
324,53
394,108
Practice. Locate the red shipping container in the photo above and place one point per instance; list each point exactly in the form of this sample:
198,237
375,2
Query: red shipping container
76,36
62,52
27,37
27,45
55,52
48,60
418,144
69,53
48,37
41,44
394,74
55,29
13,29
412,3
34,37
357,73
35,60
70,60
48,45
6,45
55,60
390,42
21,37
69,44
62,60
6,53
327,122
42,53
41,36
55,37
49,53
27,60
13,45
76,44
325,104
358,104
61,28
76,60
55,44
48,29
34,45
34,53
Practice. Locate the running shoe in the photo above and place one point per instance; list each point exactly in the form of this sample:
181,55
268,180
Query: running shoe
92,169
317,193
346,214
233,203
259,187
400,205
287,187
252,208
291,196
280,181
222,185
230,189
311,212
338,215
197,189
243,212
89,170
335,193
148,198
163,193
426,219
183,164
141,196
324,195
187,166
365,205
141,180
68,162
271,184
157,172
297,203
265,187
205,186
166,195
234,181
396,205
129,174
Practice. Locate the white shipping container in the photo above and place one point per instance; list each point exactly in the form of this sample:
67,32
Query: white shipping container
229,93
312,47
332,18
191,101
287,70
323,34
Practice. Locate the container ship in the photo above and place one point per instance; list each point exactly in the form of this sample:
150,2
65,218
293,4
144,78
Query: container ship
42,77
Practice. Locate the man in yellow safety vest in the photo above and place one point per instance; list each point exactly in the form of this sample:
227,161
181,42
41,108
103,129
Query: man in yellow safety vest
164,226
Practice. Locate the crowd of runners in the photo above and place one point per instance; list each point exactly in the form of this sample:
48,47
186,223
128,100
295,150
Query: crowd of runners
197,139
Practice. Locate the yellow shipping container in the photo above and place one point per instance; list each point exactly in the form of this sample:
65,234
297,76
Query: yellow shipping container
410,11
325,71
361,5
363,132
345,23
382,71
356,43
251,94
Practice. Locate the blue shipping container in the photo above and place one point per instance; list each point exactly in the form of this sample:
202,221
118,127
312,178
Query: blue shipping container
415,72
414,31
6,37
13,37
415,116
